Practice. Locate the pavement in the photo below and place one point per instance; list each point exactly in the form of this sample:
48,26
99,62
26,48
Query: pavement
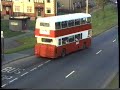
10,43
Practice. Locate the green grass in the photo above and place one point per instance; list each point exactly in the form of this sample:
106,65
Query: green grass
114,84
99,25
27,43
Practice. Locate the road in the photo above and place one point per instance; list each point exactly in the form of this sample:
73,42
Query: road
86,69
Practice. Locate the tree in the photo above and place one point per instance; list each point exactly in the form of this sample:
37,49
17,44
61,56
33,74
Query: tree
101,4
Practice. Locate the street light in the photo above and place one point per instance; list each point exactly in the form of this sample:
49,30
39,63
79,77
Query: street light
2,45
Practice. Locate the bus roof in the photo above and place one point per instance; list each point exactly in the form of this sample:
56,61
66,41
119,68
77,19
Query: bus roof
66,17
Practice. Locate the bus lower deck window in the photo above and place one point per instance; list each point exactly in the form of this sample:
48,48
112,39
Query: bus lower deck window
64,40
77,36
59,42
71,39
81,36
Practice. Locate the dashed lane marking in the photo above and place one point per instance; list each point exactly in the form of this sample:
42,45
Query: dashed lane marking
24,74
47,61
33,69
69,74
3,85
99,52
13,80
40,65
114,40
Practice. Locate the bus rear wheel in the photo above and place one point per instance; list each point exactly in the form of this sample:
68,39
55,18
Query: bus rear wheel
63,53
84,46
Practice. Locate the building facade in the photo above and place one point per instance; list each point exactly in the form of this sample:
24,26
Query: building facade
38,8
32,8
7,7
71,4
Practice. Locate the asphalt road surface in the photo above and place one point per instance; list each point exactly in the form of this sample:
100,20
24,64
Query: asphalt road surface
85,69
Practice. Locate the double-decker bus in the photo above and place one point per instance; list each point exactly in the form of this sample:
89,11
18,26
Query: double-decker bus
60,35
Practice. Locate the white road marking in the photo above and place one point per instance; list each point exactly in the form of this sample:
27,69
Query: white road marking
10,77
8,69
99,52
114,40
69,74
40,65
33,69
6,77
3,85
47,61
17,71
24,74
13,80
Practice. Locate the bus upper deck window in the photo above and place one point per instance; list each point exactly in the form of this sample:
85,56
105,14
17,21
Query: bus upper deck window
58,25
64,24
71,23
83,20
47,40
77,22
89,20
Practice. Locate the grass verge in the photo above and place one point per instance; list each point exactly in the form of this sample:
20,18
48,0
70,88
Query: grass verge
99,25
27,43
114,84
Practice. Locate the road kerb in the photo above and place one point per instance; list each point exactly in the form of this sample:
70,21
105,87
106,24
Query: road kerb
6,62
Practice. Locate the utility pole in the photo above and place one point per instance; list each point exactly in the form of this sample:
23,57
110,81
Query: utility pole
2,45
87,6
56,6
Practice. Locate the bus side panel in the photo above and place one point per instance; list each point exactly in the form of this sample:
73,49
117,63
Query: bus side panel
88,42
37,50
72,47
71,30
57,33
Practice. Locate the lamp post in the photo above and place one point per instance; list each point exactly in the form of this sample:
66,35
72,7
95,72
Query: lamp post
86,6
2,45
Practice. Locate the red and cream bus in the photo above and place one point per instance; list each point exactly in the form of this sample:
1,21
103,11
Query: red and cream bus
60,35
